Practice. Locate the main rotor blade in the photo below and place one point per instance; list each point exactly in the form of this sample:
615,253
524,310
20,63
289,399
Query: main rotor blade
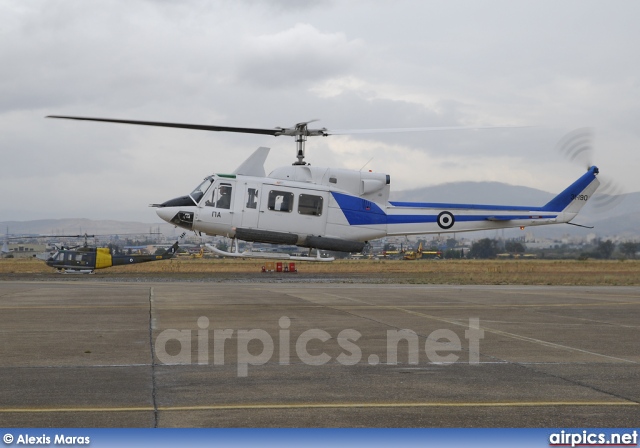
299,129
201,127
53,236
398,130
80,236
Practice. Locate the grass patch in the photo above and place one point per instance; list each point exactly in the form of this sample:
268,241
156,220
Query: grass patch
463,272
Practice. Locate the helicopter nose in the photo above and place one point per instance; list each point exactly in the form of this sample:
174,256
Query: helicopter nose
178,216
166,213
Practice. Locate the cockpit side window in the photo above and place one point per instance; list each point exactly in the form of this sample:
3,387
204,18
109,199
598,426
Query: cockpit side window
220,197
200,190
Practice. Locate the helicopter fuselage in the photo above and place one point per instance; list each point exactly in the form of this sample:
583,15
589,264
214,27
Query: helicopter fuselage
341,210
88,259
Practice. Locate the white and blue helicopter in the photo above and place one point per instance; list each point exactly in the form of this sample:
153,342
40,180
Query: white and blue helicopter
332,209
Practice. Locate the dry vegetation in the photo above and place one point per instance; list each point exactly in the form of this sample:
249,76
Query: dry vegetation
490,272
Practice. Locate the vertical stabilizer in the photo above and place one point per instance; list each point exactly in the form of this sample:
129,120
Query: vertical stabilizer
574,197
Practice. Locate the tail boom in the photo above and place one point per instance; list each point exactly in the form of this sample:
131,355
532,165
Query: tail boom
416,218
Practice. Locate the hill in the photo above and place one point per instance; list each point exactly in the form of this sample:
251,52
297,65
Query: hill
79,226
622,218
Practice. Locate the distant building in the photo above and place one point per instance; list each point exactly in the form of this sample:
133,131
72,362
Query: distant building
26,250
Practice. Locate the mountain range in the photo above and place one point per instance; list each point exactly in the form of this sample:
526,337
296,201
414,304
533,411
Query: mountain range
80,226
610,216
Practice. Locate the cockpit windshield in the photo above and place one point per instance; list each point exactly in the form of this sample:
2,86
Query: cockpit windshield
201,189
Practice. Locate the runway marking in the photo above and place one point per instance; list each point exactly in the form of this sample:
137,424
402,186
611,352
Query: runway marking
224,407
438,304
47,307
576,294
56,410
485,306
522,338
391,405
498,332
338,307
305,297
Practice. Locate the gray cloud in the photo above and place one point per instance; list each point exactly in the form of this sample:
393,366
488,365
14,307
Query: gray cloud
297,57
362,64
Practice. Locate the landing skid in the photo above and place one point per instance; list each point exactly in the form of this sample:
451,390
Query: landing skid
76,271
267,255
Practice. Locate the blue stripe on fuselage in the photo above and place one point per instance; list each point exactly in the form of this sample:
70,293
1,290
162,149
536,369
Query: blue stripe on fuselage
446,206
360,212
415,219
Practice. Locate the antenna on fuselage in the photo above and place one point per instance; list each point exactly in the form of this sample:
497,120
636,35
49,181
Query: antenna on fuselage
368,162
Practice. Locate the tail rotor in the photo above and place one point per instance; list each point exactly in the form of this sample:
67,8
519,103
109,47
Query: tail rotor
577,146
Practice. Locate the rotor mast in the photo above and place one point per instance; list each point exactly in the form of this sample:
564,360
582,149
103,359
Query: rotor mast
301,131
301,139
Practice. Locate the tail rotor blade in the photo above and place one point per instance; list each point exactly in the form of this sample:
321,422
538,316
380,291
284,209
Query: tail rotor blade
577,146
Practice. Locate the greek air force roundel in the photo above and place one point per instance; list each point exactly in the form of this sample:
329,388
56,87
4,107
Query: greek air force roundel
446,220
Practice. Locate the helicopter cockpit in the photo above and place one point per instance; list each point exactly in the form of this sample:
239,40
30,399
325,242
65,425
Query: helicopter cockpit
198,193
191,199
220,197
211,192
70,259
56,256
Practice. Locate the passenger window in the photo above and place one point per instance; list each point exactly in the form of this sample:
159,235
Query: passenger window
252,198
220,197
280,201
310,205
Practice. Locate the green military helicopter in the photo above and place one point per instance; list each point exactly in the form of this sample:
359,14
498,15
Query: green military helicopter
85,259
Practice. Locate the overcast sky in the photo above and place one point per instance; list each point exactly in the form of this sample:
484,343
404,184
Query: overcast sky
557,65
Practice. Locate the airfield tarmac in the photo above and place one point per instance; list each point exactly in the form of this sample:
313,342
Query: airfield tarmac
90,353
